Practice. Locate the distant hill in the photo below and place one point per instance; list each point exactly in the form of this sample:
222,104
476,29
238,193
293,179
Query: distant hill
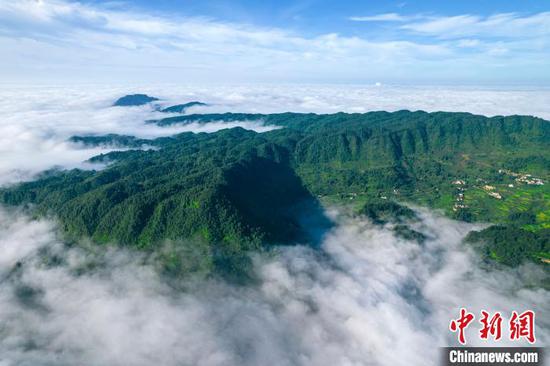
180,108
134,100
109,140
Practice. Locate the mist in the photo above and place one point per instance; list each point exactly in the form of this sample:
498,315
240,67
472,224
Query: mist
366,297
36,121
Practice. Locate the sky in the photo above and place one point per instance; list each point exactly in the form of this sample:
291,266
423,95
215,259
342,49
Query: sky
310,41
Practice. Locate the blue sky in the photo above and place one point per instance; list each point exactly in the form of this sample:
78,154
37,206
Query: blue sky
309,41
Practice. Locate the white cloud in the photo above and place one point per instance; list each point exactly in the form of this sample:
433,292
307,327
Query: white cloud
509,25
369,299
386,17
37,121
55,40
468,43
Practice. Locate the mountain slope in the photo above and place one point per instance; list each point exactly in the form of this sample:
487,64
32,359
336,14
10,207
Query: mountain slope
235,188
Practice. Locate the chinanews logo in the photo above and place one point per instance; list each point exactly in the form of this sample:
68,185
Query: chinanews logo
494,326
519,325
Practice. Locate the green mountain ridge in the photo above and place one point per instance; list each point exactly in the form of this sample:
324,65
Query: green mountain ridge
235,189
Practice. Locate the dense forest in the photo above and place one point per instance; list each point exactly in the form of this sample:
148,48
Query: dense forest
219,195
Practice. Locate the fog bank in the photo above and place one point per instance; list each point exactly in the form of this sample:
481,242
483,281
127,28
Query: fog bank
366,298
35,122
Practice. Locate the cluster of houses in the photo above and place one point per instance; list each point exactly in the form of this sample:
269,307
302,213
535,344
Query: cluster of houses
527,178
460,186
489,189
459,204
524,178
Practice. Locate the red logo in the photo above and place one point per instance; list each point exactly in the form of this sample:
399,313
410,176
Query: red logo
520,325
461,324
491,326
523,325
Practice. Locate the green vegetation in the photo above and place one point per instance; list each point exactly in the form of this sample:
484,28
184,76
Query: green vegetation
512,245
235,190
381,211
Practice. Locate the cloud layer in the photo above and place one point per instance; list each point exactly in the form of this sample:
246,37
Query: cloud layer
37,121
369,298
506,25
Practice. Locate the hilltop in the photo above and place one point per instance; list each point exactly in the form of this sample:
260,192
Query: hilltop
134,100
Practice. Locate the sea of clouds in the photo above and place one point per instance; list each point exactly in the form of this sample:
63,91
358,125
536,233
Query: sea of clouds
367,297
35,122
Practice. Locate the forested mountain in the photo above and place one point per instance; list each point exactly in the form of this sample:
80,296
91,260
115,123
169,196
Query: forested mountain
236,189
134,100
